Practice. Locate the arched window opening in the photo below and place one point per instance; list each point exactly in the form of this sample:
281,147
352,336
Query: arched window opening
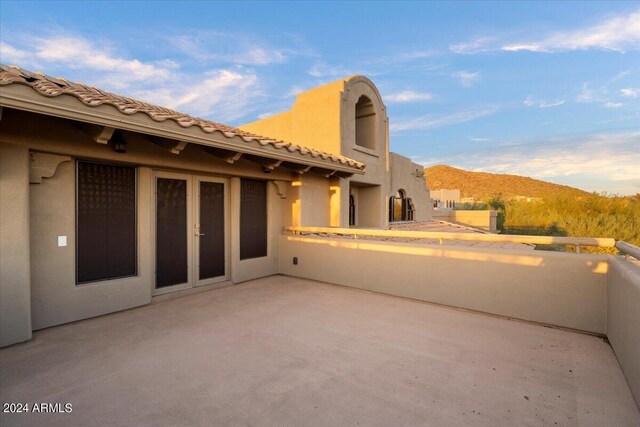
365,123
401,207
352,210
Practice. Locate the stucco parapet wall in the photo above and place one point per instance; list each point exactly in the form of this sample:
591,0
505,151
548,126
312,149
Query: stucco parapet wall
53,88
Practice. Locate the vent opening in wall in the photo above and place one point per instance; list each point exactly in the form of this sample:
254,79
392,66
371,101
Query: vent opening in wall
365,123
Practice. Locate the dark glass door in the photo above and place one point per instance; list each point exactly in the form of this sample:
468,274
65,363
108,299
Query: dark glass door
171,232
211,230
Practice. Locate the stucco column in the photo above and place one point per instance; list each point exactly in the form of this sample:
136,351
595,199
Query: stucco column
15,280
339,202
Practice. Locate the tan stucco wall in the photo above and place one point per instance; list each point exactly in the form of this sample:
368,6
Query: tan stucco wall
324,118
561,289
278,126
15,310
243,270
55,297
444,195
313,121
407,175
50,207
623,318
485,220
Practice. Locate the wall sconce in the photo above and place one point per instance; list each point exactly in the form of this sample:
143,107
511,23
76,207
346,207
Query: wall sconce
119,144
266,169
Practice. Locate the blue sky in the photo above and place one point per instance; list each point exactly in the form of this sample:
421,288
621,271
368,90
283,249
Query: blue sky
548,90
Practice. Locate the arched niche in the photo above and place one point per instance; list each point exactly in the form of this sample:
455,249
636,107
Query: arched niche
401,207
366,123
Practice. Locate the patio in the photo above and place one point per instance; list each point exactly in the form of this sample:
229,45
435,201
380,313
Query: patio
288,351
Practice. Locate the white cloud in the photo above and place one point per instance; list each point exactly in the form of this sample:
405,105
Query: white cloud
468,78
618,34
587,94
613,105
11,55
294,91
408,56
481,44
408,96
322,69
234,48
78,53
226,94
630,92
530,101
599,162
431,122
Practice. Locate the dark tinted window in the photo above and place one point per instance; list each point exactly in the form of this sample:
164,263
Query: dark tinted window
253,218
171,232
106,221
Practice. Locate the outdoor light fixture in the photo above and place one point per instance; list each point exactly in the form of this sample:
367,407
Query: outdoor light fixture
119,144
266,169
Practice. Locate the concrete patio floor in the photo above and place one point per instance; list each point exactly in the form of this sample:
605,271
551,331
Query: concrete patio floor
287,351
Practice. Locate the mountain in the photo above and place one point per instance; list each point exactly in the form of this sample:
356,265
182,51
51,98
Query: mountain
483,185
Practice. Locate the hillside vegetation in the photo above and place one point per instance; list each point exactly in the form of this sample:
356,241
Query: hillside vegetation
483,185
558,210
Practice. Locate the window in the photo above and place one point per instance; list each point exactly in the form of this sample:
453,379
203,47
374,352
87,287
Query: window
253,219
352,210
365,123
106,222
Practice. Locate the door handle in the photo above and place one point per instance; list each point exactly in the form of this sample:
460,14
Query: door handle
199,234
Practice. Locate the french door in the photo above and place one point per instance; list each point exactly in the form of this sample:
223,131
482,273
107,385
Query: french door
191,231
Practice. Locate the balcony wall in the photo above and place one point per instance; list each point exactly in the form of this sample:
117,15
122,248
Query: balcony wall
562,289
485,220
623,318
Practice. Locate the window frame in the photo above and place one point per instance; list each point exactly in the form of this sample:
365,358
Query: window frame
77,217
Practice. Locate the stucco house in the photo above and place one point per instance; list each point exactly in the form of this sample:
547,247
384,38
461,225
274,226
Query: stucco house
108,201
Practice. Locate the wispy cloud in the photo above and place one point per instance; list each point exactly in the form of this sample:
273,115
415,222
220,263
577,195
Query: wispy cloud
630,92
79,53
294,91
587,94
322,70
468,78
407,56
613,105
607,161
226,93
479,45
432,122
530,101
232,48
618,34
408,96
602,96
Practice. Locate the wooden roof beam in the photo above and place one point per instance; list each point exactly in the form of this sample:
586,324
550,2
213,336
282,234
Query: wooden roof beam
228,156
296,167
173,145
99,134
266,162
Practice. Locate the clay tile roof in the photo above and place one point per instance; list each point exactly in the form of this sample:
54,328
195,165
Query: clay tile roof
92,96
